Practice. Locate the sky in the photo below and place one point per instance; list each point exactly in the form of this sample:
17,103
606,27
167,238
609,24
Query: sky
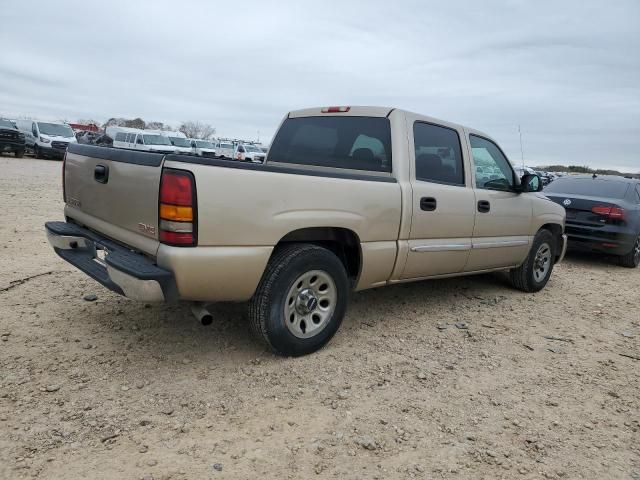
567,73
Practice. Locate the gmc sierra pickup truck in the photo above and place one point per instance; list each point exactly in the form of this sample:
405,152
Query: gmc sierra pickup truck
349,198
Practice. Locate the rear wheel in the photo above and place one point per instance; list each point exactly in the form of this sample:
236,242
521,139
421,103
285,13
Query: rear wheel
534,273
632,259
301,300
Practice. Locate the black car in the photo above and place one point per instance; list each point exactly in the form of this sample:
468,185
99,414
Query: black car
603,214
11,140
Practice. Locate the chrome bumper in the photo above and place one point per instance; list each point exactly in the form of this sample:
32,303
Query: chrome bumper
120,270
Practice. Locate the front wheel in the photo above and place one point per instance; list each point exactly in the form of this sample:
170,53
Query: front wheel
632,259
36,152
300,301
19,153
534,273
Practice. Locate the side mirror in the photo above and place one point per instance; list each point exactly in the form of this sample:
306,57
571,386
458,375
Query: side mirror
531,183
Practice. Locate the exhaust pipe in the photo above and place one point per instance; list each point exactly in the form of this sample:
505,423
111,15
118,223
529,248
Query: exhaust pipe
201,313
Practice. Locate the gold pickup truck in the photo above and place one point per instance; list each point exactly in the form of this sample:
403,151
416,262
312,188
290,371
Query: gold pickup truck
349,198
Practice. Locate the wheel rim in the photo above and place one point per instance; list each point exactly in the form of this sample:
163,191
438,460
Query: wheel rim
542,262
636,251
310,303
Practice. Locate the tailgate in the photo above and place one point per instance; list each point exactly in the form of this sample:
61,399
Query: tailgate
115,192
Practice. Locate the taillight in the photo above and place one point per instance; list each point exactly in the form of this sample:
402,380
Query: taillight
612,212
335,109
177,208
64,162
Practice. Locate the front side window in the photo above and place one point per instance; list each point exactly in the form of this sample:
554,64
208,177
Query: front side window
156,140
638,194
493,170
179,142
438,154
358,143
121,137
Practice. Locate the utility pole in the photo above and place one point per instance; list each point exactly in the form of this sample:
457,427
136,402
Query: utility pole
521,150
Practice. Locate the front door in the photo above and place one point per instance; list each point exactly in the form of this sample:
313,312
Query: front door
442,204
501,236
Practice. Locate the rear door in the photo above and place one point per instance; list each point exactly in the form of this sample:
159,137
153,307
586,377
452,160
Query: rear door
442,202
501,236
115,192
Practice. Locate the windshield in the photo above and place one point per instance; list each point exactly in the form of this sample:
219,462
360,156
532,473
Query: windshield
156,140
588,187
55,129
180,142
251,148
6,123
204,144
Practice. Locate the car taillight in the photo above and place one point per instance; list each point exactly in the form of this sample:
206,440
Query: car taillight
612,212
335,109
64,163
177,208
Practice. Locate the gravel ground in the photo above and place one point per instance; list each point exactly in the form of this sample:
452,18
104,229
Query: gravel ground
452,379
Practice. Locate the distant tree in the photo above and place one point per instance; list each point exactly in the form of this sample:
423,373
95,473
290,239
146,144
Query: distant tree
200,130
115,122
87,121
157,126
135,123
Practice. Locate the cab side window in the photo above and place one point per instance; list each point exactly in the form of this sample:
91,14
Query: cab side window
638,194
438,154
493,170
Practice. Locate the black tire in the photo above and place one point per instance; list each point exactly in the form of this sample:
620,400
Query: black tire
19,153
36,152
525,277
267,307
632,259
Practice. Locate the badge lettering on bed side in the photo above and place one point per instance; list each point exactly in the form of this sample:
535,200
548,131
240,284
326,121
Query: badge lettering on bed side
74,202
147,229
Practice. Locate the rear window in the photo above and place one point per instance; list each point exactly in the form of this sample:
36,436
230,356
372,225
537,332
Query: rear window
359,143
588,187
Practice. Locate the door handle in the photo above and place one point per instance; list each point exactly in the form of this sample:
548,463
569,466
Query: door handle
484,206
428,204
101,174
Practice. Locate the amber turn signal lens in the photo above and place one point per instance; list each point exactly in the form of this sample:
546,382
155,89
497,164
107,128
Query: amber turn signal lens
176,213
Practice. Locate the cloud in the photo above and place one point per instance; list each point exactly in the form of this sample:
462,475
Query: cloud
567,72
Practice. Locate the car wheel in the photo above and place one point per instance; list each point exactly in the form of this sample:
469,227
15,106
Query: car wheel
300,301
632,259
19,153
535,271
36,151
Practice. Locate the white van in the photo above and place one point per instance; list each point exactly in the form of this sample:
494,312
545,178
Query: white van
178,140
203,148
137,139
46,139
225,148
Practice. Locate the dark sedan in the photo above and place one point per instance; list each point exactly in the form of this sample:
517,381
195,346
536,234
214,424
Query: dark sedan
603,214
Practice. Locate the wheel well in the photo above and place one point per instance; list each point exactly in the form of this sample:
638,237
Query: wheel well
341,241
556,231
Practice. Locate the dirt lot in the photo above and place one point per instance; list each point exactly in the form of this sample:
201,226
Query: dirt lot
531,386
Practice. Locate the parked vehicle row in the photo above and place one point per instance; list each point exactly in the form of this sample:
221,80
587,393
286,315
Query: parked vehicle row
352,198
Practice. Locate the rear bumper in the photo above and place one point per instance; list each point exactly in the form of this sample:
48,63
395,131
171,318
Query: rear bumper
120,270
616,241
